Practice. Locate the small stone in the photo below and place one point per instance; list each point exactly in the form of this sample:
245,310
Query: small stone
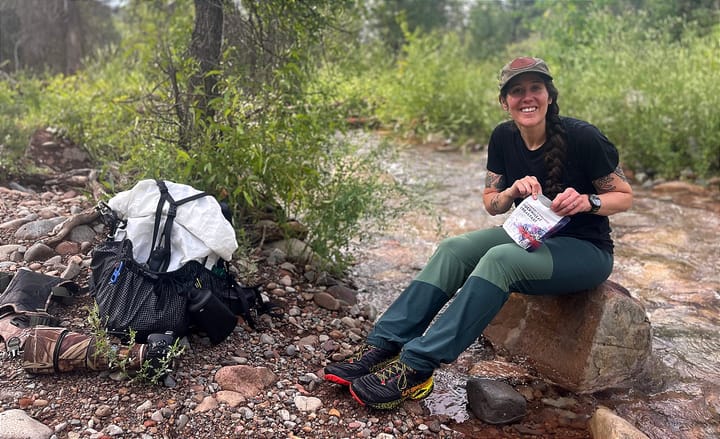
103,411
307,403
181,422
325,300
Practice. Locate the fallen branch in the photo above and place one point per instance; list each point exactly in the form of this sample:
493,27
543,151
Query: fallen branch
97,188
60,231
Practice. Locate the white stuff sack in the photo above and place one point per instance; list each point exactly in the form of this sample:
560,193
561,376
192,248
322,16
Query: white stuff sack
200,232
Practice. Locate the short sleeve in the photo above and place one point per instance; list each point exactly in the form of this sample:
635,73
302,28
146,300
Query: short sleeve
599,154
495,160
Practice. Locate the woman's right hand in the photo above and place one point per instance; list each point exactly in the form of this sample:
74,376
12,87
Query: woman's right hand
526,186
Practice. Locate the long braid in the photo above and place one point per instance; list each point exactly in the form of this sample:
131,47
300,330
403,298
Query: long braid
556,145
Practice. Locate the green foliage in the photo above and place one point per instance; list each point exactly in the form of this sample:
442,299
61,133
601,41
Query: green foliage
276,147
109,351
104,348
652,94
389,20
492,25
13,136
354,199
433,88
271,145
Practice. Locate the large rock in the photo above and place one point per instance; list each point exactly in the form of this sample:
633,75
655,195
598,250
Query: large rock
586,342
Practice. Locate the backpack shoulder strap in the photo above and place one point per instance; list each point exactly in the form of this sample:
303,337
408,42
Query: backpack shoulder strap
159,259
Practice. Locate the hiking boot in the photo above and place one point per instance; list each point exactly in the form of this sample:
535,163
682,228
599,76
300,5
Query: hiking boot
367,360
389,387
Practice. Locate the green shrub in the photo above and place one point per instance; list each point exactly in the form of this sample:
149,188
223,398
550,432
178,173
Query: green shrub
652,94
434,88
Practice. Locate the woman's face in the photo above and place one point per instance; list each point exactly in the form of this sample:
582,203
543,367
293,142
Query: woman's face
527,100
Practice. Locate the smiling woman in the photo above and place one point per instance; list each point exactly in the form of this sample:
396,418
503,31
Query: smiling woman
536,152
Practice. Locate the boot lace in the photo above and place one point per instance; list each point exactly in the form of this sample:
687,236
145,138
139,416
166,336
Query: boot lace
395,370
363,350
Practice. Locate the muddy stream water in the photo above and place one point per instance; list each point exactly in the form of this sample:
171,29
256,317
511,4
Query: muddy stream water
667,255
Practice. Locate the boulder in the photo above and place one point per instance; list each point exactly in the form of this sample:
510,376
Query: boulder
586,342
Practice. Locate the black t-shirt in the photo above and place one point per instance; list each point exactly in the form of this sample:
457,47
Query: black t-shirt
590,155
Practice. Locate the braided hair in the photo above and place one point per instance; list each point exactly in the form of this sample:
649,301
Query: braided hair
557,146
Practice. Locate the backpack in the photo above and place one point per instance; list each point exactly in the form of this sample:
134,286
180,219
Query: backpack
156,275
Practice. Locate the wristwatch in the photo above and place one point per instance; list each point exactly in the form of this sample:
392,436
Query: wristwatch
595,203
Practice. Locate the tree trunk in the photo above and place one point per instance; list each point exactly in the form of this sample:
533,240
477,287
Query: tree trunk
205,47
73,41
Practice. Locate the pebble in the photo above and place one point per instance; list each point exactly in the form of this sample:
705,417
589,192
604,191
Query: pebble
181,422
145,406
307,403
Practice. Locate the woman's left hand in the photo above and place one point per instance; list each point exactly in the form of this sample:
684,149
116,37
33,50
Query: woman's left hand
570,202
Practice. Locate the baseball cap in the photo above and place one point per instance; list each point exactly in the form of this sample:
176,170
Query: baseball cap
523,64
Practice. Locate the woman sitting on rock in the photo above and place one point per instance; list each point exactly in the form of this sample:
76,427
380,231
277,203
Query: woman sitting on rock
536,152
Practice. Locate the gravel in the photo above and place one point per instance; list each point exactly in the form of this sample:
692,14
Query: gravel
191,403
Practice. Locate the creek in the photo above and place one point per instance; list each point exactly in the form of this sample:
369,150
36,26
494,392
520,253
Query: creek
666,255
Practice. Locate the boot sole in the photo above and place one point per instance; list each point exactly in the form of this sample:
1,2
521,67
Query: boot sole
337,380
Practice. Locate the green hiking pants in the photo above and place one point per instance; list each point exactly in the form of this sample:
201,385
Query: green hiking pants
479,270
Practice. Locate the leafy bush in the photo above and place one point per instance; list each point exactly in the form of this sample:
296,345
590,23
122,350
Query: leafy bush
651,94
13,138
289,150
434,89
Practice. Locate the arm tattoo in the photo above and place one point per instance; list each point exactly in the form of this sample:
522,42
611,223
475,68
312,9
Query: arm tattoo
495,181
495,203
605,184
619,172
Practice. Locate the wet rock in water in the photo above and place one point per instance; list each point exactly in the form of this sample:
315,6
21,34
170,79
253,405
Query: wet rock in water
495,402
586,342
607,425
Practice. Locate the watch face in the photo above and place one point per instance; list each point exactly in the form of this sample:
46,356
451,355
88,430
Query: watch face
595,202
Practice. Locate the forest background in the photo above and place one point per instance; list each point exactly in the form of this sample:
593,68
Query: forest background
253,101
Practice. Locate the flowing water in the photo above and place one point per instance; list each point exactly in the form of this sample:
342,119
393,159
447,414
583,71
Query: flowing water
667,256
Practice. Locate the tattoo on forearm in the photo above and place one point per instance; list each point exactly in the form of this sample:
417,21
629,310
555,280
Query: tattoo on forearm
619,172
495,181
605,184
495,203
